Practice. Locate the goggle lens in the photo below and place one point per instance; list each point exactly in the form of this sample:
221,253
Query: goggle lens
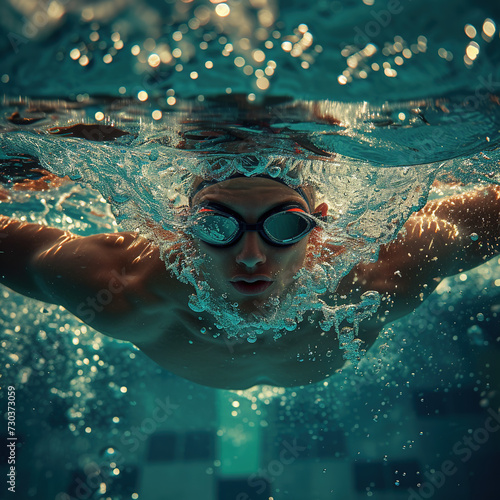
286,227
281,228
216,229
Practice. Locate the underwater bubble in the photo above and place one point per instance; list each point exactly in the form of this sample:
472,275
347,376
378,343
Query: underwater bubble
274,171
325,325
195,304
117,198
108,452
474,236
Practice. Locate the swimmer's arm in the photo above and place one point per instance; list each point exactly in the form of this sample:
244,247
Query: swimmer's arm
437,242
465,229
107,280
448,236
19,241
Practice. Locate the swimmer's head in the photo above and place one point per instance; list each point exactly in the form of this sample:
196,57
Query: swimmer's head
306,191
252,269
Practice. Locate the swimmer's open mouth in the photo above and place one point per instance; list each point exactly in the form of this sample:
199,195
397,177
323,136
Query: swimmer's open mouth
253,287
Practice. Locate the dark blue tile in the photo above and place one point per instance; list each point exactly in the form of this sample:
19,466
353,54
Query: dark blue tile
404,474
247,488
370,475
163,447
82,486
456,401
127,482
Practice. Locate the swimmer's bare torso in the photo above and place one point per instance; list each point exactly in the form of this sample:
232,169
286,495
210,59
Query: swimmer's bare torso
118,284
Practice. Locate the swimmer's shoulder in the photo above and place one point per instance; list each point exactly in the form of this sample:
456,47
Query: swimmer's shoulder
116,283
147,279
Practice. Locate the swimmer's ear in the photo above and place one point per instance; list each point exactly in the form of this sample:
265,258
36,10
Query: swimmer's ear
323,208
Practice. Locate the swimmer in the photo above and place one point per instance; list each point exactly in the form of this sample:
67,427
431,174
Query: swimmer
254,234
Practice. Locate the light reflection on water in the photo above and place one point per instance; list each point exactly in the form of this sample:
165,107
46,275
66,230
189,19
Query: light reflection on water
324,50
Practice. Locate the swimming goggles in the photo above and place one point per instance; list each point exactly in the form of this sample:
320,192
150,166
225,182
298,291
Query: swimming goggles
281,226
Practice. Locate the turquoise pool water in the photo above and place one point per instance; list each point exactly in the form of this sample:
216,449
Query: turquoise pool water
375,102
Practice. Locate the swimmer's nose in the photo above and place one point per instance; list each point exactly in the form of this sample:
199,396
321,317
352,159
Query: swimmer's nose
251,250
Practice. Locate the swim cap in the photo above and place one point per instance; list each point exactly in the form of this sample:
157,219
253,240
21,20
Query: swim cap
207,183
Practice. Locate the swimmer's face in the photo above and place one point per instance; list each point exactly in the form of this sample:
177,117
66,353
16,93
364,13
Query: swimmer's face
251,258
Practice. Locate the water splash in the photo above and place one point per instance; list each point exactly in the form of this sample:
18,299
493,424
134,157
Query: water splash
356,164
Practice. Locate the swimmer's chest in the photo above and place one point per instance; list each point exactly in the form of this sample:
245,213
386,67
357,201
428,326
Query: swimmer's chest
188,348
